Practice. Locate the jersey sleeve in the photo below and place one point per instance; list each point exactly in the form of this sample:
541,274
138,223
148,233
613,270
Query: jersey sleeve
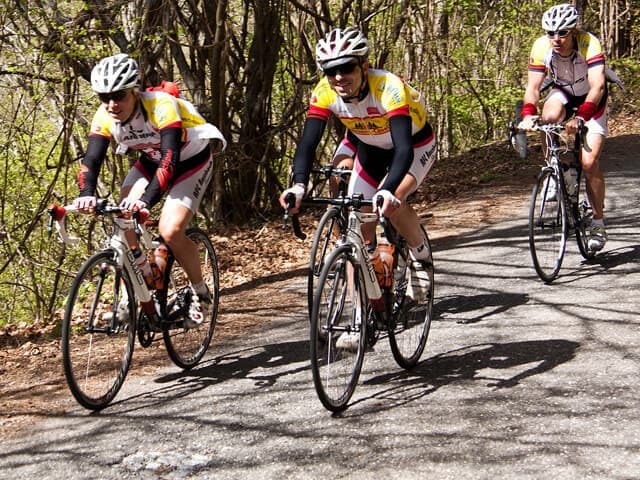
538,55
591,48
393,95
101,124
321,99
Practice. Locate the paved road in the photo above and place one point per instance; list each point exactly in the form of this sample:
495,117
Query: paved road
520,380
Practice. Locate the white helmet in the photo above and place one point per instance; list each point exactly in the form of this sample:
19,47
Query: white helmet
111,74
341,46
560,17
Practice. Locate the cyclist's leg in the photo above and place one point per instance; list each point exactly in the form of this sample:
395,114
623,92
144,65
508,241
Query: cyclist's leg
594,179
366,183
182,203
342,158
405,219
133,186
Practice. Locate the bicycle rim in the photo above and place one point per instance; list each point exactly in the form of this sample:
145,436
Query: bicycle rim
409,336
339,308
96,347
547,228
326,234
187,345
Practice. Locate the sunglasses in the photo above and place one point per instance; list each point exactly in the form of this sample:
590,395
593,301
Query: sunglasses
560,33
117,96
343,69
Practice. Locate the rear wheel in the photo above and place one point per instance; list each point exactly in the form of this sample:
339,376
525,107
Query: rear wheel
408,337
338,329
329,228
186,345
547,226
98,331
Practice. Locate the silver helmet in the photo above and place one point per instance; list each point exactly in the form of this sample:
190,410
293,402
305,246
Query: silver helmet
111,74
340,46
560,17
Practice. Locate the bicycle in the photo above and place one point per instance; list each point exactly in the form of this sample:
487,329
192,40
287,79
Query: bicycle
348,299
331,226
552,215
102,318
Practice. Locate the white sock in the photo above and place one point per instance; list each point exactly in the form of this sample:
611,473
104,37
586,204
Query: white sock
200,288
598,223
421,252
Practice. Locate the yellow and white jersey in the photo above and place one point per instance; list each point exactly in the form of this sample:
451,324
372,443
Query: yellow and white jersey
368,118
158,110
568,73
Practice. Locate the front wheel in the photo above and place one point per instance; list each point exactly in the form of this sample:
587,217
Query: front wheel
187,344
338,329
329,229
547,226
408,336
98,331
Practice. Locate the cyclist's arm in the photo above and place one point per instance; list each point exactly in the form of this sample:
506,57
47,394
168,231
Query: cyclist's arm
535,79
597,81
306,150
170,141
400,126
91,163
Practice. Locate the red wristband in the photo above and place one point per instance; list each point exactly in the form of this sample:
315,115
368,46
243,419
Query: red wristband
529,109
587,110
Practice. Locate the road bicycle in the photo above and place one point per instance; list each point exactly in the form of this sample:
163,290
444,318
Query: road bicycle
331,226
348,300
110,303
556,206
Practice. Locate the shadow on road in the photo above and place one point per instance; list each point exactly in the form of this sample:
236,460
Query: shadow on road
482,362
456,304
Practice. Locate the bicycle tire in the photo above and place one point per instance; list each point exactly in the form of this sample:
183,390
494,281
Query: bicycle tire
321,247
187,345
547,227
408,337
339,307
96,348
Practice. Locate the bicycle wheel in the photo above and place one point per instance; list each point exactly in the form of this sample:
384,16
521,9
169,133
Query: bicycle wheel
408,337
187,345
329,228
338,329
98,331
547,226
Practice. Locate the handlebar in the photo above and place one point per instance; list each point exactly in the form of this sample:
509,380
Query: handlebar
290,199
103,207
331,171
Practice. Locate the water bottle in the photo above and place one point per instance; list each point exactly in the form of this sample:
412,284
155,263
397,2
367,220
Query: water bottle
142,262
160,255
571,181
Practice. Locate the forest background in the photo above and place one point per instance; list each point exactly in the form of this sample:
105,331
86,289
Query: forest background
249,67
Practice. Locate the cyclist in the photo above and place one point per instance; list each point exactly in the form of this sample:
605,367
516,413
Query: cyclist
574,63
175,158
387,126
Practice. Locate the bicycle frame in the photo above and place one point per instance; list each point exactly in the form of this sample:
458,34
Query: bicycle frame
354,238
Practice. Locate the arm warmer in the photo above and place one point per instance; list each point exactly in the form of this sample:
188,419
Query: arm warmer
403,152
306,151
90,165
170,142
